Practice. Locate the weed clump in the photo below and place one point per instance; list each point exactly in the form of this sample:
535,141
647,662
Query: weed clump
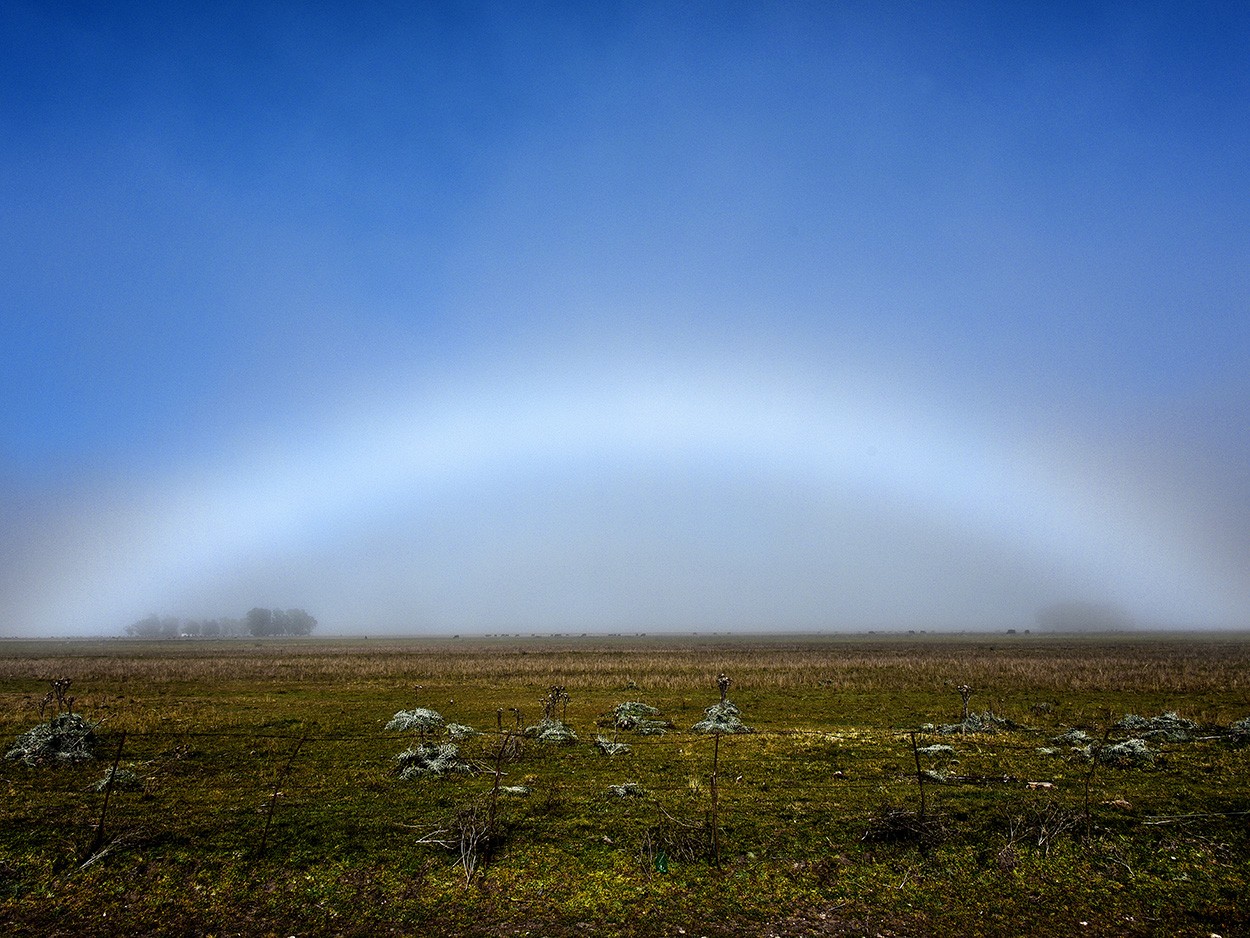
123,780
459,731
610,748
551,730
983,722
1169,726
65,739
891,824
627,790
636,717
431,760
1131,753
1072,737
722,717
418,720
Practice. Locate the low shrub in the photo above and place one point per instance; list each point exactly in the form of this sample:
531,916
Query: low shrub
431,759
1169,725
610,748
1128,754
551,730
636,717
1072,737
983,722
627,790
419,720
64,740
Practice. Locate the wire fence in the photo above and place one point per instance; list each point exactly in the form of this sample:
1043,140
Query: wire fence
771,767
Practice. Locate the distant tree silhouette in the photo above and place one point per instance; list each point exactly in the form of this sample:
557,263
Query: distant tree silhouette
279,622
258,622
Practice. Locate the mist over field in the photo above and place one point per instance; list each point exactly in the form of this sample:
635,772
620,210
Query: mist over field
624,318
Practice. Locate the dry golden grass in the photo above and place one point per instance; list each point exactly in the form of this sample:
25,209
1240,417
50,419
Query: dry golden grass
1177,664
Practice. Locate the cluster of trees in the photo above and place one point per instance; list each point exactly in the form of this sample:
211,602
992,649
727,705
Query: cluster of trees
279,622
256,623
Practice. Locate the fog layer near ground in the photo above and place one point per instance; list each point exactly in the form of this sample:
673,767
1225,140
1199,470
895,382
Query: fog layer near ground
723,493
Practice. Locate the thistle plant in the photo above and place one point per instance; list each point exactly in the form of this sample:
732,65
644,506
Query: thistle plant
557,696
65,739
421,720
720,719
551,728
636,717
965,694
431,760
610,747
58,695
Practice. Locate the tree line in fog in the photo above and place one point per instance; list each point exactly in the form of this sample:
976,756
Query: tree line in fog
258,622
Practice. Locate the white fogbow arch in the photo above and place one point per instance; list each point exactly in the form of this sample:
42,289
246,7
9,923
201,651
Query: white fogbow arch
416,449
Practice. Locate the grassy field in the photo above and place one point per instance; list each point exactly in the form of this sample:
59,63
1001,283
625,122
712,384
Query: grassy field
265,798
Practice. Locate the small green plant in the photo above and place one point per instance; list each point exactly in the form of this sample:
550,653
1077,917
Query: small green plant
64,740
1073,737
551,731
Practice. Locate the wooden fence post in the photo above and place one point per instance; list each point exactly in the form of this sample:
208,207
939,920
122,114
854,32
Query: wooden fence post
264,838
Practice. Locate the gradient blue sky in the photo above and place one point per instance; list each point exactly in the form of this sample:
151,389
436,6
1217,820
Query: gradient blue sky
522,316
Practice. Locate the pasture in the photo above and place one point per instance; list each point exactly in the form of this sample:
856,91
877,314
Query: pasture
258,790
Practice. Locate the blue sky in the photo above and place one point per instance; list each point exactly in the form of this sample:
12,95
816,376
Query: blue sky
454,317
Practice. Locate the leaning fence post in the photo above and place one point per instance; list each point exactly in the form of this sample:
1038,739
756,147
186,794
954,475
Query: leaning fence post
264,838
919,776
108,791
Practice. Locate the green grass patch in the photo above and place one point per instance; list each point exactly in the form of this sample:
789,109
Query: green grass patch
263,796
